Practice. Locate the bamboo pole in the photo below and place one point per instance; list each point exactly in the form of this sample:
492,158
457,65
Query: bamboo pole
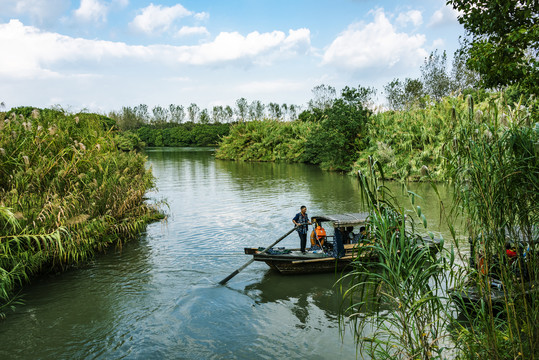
236,272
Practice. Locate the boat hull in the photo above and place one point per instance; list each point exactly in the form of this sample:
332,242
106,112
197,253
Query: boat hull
295,262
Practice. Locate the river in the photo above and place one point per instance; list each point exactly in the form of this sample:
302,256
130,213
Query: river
158,297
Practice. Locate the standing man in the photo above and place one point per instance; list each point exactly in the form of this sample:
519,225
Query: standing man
302,219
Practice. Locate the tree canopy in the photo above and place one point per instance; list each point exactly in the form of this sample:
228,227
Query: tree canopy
501,41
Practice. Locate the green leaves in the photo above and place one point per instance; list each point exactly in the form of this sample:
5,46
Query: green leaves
501,40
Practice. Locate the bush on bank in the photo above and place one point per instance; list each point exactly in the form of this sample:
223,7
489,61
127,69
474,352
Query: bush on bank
329,138
66,191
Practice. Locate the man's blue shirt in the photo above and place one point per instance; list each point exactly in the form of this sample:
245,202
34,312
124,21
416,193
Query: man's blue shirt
302,219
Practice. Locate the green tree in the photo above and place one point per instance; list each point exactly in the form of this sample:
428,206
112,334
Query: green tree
160,114
436,81
501,41
142,113
337,137
193,111
218,114
127,118
229,114
275,111
256,110
323,97
177,113
462,77
394,91
242,108
204,117
403,95
293,111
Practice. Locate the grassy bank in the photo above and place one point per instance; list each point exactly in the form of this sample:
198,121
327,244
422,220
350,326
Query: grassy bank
66,192
405,143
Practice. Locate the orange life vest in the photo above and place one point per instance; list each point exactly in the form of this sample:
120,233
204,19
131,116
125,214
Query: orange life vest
319,233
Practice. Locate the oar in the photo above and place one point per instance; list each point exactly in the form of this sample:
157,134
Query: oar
236,272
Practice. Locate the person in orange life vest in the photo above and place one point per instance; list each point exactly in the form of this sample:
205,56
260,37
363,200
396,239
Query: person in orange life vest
301,220
318,236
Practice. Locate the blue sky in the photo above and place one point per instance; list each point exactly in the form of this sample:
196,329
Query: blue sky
101,55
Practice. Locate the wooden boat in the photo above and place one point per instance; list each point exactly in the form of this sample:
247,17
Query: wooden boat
295,262
472,295
338,248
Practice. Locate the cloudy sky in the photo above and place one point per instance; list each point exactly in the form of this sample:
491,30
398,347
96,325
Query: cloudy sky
101,55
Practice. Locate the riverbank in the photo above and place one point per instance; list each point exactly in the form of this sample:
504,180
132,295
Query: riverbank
67,191
407,144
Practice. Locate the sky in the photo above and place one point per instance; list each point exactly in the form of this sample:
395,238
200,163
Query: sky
101,55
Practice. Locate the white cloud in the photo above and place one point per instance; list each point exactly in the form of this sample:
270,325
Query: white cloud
31,53
155,18
376,45
444,16
91,10
413,16
202,16
230,46
438,43
192,30
38,10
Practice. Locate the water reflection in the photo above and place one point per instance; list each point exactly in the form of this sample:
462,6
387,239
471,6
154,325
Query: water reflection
300,291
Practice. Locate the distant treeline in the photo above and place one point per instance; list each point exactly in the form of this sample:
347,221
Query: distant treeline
186,134
130,118
177,125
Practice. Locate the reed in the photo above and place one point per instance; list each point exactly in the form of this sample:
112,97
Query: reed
495,166
395,305
66,191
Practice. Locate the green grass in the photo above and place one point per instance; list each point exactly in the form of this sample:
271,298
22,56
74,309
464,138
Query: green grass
66,191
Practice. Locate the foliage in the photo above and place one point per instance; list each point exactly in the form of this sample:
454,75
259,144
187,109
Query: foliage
266,140
323,97
328,137
501,41
405,95
66,191
408,143
337,137
436,81
397,300
494,162
128,141
186,134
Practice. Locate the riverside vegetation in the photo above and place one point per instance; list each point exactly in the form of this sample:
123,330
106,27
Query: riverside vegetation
494,161
343,135
67,190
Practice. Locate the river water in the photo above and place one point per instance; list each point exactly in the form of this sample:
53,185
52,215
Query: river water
158,297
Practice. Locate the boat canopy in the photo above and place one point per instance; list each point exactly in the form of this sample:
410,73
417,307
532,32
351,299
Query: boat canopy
343,220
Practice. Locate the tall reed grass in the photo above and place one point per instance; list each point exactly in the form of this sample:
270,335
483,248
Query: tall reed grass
396,305
438,307
494,163
66,191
